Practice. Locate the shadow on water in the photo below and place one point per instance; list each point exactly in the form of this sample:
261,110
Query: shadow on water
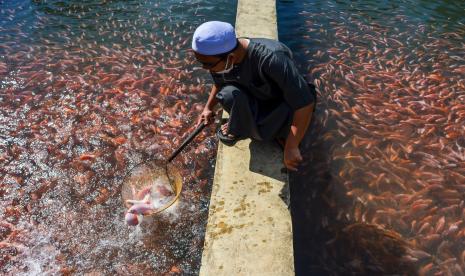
326,243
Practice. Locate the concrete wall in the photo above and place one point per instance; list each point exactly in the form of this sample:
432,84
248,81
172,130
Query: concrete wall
249,226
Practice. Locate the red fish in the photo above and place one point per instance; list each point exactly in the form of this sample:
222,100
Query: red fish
141,209
131,219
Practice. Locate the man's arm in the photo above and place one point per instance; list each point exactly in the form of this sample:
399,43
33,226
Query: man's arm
212,101
298,95
300,122
207,113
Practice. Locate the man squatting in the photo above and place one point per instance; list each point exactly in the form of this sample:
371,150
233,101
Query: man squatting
257,83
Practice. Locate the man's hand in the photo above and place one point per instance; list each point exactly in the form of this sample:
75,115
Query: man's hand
299,125
292,157
206,116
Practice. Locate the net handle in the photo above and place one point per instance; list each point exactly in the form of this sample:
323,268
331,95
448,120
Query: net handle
186,141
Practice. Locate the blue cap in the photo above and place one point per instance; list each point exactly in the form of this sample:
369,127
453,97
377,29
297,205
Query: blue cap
213,38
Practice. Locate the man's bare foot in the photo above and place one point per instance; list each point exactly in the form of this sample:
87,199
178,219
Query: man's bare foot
224,131
225,137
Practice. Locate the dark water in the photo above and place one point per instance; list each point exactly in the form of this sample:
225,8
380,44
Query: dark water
88,89
382,188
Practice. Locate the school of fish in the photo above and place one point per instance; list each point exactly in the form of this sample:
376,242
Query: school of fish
87,91
387,148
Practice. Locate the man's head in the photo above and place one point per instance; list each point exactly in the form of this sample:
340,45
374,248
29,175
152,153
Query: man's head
214,43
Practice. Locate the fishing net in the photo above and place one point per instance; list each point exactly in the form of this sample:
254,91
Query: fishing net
154,183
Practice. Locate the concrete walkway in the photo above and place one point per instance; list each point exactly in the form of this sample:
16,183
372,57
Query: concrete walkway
249,228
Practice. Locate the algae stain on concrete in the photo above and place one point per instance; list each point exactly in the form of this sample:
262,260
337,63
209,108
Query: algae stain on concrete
223,228
264,187
243,206
218,207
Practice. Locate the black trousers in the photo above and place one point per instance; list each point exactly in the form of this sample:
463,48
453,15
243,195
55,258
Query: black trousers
250,117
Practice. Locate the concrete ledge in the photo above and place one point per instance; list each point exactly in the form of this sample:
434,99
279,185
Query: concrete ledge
249,229
249,226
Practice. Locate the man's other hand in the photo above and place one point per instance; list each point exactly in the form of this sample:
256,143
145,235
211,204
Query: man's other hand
292,158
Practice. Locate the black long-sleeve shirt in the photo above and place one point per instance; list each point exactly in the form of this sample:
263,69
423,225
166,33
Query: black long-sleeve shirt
269,74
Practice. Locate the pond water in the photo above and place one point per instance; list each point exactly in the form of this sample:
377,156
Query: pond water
382,189
88,89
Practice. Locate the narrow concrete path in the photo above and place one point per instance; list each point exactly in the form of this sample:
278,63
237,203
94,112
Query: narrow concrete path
249,229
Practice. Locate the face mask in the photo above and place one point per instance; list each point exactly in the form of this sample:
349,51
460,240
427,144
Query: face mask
226,69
